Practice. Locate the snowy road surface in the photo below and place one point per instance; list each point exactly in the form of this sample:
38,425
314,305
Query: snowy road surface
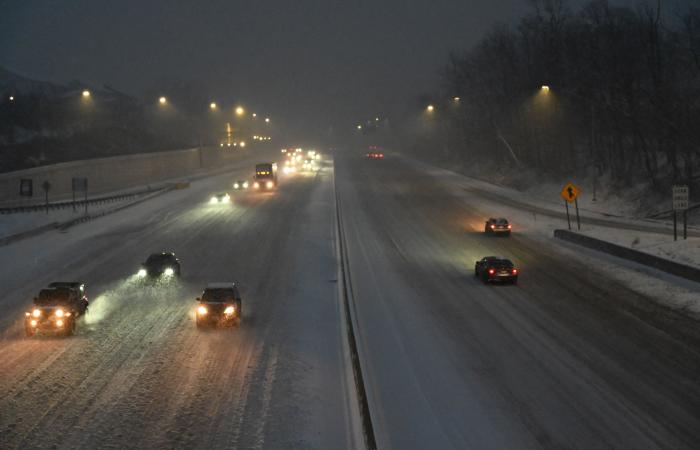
138,374
568,358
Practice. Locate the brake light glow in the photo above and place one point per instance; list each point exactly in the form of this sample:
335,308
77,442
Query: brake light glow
493,227
515,271
510,226
492,271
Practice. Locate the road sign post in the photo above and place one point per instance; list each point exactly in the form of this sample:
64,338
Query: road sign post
80,185
570,194
46,186
681,196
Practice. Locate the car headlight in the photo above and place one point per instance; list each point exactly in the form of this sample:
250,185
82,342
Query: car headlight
236,185
33,323
36,313
169,271
213,200
256,185
226,199
141,273
245,185
270,184
202,311
59,312
229,310
59,323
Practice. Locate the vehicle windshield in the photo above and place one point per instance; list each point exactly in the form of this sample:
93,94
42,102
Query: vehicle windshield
218,295
48,297
159,259
501,221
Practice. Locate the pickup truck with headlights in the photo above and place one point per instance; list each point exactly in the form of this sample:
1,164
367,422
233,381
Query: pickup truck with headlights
56,309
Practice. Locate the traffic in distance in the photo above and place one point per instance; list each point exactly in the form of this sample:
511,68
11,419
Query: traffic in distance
489,269
57,307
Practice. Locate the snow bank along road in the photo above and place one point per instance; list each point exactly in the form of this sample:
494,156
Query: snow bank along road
138,373
568,358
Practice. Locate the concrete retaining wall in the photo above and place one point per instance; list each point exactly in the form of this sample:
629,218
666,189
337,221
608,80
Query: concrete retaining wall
111,174
665,265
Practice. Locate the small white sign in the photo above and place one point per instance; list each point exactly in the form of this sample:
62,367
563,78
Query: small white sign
680,197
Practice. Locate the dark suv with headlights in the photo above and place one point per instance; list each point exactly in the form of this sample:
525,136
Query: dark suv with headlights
159,265
219,305
56,309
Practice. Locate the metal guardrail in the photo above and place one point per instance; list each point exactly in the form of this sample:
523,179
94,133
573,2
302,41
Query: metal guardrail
78,203
665,265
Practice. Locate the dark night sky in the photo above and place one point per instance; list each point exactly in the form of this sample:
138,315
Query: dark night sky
308,61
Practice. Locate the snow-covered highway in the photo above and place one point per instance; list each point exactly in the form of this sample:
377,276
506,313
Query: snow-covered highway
138,374
568,358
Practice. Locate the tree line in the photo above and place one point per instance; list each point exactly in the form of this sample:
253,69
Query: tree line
601,90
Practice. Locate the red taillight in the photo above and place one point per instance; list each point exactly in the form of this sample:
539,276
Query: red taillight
492,271
381,155
515,271
493,227
510,226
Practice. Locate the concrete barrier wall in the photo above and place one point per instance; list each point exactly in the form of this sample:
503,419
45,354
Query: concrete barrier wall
665,265
111,174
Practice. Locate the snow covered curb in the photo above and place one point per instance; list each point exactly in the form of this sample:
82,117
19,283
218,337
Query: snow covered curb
665,265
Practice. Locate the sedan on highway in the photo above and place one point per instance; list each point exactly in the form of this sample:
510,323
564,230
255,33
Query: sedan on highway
159,265
219,305
498,226
220,198
240,185
496,269
56,309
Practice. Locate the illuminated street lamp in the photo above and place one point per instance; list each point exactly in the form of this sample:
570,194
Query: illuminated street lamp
162,100
430,108
86,94
212,106
240,111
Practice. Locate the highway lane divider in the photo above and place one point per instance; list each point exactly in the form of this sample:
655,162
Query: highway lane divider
346,294
662,264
